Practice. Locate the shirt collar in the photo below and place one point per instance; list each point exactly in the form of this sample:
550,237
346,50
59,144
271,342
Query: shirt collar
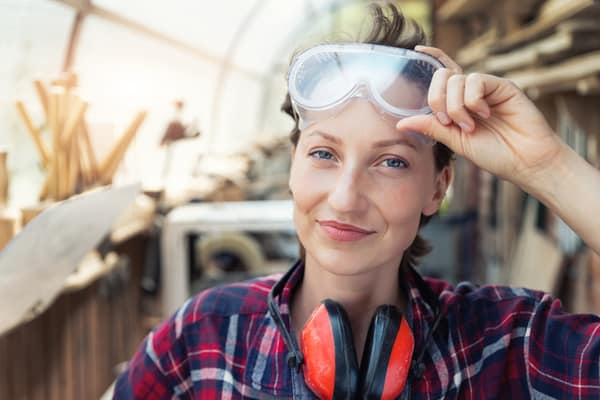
422,309
423,305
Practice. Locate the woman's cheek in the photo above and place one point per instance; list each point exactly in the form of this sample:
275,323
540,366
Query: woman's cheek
308,184
401,201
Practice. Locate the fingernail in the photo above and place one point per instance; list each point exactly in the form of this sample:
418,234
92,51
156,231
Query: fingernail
484,113
465,126
443,118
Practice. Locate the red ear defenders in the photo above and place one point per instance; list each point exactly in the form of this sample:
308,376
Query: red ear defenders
331,367
328,357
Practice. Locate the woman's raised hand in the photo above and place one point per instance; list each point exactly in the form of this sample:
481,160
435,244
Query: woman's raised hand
488,120
491,122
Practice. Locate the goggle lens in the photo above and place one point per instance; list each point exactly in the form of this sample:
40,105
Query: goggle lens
327,76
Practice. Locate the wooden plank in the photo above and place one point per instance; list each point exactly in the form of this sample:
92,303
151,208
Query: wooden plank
5,382
34,133
105,337
42,95
117,153
580,294
94,350
64,341
53,352
80,338
477,49
546,21
37,358
537,261
575,68
570,38
87,7
457,9
18,355
584,87
449,36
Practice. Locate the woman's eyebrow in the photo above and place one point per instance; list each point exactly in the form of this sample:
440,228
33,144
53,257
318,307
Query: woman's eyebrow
326,136
392,142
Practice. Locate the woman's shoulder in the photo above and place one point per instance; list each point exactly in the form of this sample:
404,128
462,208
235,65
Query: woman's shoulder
471,292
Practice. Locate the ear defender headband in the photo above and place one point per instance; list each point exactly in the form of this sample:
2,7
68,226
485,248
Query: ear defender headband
328,358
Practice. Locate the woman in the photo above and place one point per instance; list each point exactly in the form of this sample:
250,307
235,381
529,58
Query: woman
363,181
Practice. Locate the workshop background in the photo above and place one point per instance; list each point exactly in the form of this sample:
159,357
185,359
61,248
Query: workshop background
183,99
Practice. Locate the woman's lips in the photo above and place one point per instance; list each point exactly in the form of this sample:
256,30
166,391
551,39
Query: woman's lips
343,232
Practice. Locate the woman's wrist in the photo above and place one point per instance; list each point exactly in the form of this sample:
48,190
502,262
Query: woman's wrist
548,181
570,187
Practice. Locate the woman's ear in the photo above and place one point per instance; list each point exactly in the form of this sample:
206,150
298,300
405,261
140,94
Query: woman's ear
442,182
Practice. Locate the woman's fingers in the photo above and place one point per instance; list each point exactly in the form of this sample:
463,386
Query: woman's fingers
430,126
437,94
456,98
455,103
440,55
475,95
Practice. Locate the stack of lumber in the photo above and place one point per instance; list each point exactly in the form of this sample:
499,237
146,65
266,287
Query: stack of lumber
67,155
551,49
544,47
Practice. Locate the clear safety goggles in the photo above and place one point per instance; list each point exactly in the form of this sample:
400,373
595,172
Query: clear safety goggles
324,78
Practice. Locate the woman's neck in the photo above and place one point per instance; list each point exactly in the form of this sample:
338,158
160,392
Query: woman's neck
358,294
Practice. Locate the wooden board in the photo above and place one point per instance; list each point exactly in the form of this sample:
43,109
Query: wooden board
546,21
537,260
455,9
559,45
574,69
36,263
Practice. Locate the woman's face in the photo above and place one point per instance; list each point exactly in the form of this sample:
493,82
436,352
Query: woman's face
359,188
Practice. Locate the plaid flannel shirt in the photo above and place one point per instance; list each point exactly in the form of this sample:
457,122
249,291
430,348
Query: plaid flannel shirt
493,343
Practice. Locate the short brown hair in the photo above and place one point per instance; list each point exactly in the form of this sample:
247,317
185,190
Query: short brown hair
391,29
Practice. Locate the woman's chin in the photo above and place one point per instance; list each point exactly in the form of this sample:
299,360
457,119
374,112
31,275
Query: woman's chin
343,263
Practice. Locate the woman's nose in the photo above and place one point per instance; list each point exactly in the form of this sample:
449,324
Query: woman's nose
347,194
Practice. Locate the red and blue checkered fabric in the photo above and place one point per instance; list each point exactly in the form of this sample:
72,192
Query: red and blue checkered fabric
493,343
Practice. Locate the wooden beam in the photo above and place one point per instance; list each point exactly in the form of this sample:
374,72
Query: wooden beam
549,17
34,133
456,9
90,9
557,46
73,40
478,48
575,68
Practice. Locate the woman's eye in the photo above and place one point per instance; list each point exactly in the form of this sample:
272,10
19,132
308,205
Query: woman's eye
322,155
394,163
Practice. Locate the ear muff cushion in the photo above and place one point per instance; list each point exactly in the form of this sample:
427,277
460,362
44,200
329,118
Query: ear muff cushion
387,355
330,362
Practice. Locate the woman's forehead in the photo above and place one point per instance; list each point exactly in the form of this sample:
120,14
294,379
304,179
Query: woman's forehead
360,121
376,140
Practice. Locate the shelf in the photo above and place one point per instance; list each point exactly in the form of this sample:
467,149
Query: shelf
571,38
456,9
552,14
580,72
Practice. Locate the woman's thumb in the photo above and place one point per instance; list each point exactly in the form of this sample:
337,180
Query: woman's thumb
429,126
